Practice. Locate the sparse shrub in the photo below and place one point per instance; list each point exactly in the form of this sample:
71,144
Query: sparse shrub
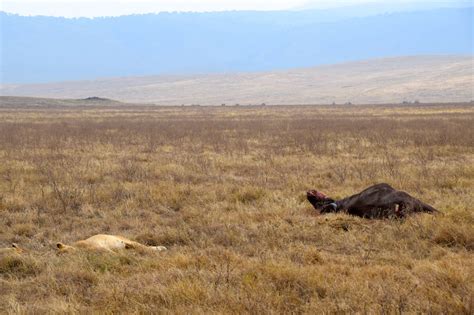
25,229
249,195
306,255
19,266
454,235
63,181
295,284
105,262
120,193
131,171
81,282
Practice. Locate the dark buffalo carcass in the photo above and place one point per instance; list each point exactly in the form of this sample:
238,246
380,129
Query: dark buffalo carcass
377,201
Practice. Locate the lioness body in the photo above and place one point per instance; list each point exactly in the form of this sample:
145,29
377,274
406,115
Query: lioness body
104,242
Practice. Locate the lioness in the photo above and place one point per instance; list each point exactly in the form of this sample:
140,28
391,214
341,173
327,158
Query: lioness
13,249
108,243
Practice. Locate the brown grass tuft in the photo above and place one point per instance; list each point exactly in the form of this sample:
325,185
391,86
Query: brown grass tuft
16,266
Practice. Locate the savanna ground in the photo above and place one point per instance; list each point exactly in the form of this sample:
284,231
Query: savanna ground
224,189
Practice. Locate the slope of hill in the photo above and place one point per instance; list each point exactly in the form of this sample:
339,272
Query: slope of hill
423,78
46,49
18,101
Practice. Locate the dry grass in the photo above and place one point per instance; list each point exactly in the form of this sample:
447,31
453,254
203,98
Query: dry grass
224,189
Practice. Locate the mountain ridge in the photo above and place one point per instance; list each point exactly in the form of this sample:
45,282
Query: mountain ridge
43,49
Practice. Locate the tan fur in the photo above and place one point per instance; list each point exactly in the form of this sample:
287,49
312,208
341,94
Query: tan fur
104,242
13,249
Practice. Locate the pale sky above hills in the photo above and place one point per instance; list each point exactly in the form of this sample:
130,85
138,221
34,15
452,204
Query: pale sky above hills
93,8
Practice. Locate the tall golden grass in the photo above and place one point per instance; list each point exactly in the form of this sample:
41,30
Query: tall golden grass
224,189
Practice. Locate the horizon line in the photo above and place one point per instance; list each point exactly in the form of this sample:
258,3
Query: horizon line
465,5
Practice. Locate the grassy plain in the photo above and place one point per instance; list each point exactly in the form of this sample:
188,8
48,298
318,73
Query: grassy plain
374,81
224,189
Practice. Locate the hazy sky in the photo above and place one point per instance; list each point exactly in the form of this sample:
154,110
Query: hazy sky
90,8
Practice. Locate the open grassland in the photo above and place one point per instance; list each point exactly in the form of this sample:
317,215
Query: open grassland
224,189
374,81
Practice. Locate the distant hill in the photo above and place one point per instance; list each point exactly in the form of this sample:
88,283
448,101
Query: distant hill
18,101
45,49
389,80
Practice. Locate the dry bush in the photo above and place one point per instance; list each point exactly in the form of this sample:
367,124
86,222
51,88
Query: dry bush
224,189
17,266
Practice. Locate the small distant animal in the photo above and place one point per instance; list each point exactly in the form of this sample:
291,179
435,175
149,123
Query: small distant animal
13,249
377,201
106,243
